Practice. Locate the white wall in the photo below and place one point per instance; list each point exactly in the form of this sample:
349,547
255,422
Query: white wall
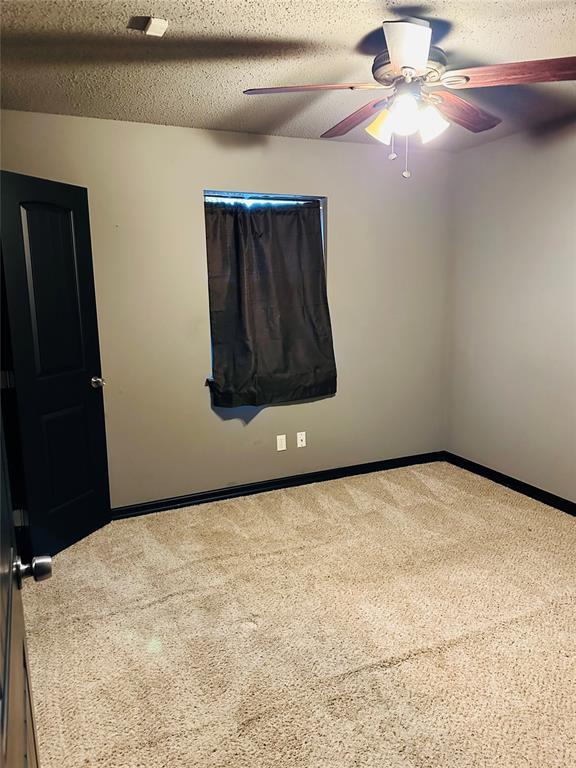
513,385
387,260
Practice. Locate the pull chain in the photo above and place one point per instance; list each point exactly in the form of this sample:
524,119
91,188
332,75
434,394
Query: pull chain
392,155
406,173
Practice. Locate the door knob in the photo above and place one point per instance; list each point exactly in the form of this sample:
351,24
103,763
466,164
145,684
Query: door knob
40,568
97,382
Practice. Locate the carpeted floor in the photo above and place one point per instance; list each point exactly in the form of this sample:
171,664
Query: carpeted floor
415,618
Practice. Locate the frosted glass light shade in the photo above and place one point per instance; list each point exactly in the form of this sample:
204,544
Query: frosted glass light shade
404,115
432,124
381,128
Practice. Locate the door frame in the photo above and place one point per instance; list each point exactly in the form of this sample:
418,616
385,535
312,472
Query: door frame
17,725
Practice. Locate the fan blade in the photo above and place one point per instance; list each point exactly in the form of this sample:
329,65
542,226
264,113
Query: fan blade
462,112
408,43
516,73
324,87
351,121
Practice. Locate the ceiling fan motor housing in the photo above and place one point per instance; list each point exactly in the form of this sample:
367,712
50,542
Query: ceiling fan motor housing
384,73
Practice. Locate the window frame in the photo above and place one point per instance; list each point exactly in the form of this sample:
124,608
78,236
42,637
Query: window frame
322,200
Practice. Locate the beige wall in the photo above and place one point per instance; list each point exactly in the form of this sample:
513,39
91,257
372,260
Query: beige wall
513,386
387,260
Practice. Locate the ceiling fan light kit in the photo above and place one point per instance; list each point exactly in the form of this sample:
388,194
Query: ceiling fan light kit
417,88
403,119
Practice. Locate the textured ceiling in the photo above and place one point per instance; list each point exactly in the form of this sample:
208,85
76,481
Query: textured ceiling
79,57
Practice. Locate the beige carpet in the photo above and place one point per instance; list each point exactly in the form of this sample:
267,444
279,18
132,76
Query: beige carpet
416,618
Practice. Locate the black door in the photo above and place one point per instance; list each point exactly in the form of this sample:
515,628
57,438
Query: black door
17,737
47,264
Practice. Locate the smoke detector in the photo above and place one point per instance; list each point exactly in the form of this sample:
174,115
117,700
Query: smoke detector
155,27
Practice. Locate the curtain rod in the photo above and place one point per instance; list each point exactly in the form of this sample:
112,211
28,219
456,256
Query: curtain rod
262,196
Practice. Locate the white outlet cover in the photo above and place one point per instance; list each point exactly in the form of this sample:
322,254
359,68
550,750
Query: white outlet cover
301,439
280,442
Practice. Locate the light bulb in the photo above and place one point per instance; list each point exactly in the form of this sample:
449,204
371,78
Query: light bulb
381,128
404,115
432,124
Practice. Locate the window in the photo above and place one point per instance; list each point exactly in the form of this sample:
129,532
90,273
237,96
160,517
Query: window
251,199
269,317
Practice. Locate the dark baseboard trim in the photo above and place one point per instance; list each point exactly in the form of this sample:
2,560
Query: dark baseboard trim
510,482
273,485
332,474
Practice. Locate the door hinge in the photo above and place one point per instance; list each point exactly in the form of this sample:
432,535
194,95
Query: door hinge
6,379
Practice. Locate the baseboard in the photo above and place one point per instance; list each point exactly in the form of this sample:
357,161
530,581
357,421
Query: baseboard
331,474
511,482
273,485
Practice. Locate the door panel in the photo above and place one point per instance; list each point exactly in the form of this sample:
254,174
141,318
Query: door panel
68,449
51,303
52,284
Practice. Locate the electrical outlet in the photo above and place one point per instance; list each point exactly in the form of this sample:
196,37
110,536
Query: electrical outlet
280,442
301,439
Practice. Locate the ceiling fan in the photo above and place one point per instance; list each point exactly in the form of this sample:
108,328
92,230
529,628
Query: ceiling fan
417,88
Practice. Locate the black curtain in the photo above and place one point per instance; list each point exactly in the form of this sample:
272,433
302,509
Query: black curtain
271,334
